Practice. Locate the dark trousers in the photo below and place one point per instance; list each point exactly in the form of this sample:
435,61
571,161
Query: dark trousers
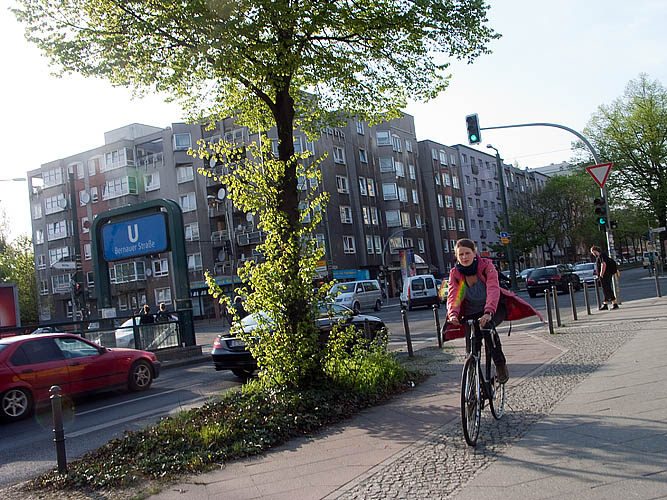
491,337
607,288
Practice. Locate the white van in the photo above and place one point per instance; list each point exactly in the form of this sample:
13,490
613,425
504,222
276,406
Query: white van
419,291
358,295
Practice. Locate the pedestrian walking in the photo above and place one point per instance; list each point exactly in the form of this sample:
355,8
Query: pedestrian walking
162,315
146,317
606,269
238,307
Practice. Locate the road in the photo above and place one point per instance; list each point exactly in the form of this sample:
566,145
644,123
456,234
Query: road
27,448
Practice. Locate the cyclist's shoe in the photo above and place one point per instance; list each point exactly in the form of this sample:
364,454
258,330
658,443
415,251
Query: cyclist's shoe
604,307
502,373
615,306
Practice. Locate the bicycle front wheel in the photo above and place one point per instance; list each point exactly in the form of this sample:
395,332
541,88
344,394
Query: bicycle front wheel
471,404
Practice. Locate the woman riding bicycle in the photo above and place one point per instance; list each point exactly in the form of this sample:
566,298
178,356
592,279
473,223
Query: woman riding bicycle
474,293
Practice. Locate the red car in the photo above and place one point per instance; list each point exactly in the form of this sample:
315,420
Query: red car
31,364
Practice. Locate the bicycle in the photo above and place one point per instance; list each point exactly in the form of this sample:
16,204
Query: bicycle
478,386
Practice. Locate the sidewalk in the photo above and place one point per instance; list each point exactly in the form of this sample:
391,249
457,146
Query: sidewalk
585,418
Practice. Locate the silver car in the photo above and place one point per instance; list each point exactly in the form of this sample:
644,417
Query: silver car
586,272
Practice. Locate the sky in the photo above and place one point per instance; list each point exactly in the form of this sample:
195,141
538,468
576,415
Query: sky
556,62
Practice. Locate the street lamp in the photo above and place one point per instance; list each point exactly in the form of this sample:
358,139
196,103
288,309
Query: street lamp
506,217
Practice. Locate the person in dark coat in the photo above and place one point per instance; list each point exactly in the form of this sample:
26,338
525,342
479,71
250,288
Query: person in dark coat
606,268
162,315
146,317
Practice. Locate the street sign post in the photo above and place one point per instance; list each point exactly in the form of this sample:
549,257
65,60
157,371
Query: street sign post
600,173
64,265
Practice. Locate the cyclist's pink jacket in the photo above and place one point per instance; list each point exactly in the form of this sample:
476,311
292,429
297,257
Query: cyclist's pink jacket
486,271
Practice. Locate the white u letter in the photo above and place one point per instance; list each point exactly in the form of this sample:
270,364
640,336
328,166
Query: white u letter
133,239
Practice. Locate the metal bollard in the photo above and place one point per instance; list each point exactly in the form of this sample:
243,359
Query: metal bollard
547,301
436,316
554,291
597,292
586,299
573,303
657,282
58,429
406,326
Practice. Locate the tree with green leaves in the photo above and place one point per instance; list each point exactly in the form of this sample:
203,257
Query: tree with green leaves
632,132
269,63
17,265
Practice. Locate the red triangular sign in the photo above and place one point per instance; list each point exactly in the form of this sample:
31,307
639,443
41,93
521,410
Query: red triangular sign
600,172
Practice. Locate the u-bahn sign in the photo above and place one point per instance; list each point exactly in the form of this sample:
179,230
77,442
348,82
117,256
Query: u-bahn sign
135,237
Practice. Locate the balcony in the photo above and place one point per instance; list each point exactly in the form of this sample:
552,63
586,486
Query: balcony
219,237
250,238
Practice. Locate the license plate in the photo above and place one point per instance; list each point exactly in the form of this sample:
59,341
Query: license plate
543,282
236,343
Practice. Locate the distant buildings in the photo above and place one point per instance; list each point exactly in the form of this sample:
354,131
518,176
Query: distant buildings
387,192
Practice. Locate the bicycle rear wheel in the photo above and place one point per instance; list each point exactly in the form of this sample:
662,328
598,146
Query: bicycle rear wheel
497,396
471,404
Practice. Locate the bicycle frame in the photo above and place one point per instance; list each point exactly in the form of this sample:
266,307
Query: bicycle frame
474,333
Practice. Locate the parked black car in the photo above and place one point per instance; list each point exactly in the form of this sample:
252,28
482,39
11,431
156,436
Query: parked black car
545,277
229,352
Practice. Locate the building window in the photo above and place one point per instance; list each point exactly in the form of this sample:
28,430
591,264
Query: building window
192,231
378,244
452,223
41,261
415,197
94,195
363,158
383,138
93,166
369,244
90,279
413,174
339,155
341,184
194,262
184,174
449,202
408,145
405,219
360,127
127,272
455,182
437,180
420,245
408,243
345,214
43,287
54,204
396,143
473,225
320,241
375,219
163,295
452,159
389,192
362,186
400,169
445,178
160,267
445,246
418,220
119,158
85,225
348,244
402,194
87,251
393,218
387,164
182,142
371,187
39,236
188,202
366,215
121,186
441,204
37,211
152,181
459,204
452,245
443,158
53,177
61,283
56,230
434,153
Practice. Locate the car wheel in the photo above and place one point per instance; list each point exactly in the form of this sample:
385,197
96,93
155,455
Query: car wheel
244,373
378,305
356,307
15,404
141,376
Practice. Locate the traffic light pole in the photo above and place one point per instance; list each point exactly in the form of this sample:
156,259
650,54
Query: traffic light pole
611,250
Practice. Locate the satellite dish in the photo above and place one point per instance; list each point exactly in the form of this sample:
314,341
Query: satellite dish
222,256
62,203
239,227
85,197
148,272
249,217
212,161
222,193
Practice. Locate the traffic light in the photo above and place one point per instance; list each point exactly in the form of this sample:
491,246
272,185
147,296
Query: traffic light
474,134
614,224
600,213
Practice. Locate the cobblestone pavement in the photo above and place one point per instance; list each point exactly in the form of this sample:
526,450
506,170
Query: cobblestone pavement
441,464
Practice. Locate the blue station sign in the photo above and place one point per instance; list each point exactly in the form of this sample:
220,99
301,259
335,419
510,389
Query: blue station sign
135,237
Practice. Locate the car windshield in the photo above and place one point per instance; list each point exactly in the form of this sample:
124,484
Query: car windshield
584,267
343,288
544,272
335,309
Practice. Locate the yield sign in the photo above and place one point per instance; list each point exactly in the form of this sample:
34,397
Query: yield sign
600,172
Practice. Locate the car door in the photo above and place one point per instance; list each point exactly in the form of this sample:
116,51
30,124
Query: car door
40,364
359,295
430,287
89,369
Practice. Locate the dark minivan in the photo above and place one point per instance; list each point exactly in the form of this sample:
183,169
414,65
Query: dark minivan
545,277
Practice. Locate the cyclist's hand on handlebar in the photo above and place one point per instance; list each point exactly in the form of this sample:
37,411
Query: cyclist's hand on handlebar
454,321
486,318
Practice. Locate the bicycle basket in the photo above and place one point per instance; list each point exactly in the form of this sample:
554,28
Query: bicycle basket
452,332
